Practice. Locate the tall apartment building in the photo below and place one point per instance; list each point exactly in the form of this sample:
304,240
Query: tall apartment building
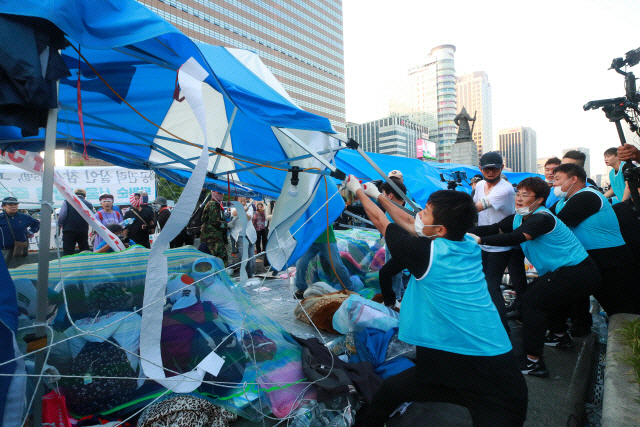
393,136
587,161
427,96
473,91
300,41
518,148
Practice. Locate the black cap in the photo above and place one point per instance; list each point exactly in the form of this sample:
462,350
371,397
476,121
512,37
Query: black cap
9,200
492,159
160,201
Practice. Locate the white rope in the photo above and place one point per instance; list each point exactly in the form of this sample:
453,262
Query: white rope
300,396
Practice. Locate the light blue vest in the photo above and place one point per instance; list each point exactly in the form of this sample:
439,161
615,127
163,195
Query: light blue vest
450,308
601,230
551,199
617,181
549,252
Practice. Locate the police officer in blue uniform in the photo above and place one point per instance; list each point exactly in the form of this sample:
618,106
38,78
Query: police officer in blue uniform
566,271
14,227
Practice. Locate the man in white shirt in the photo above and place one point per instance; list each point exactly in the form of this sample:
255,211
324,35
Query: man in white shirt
495,199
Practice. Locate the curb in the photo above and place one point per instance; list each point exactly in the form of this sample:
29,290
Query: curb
577,393
619,405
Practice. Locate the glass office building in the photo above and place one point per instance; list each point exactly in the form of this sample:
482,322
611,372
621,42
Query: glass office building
518,148
473,91
428,97
393,136
299,40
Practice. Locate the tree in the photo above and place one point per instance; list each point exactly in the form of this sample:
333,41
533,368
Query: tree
168,190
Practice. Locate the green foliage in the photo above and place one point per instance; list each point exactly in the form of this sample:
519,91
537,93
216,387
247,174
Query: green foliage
630,334
169,190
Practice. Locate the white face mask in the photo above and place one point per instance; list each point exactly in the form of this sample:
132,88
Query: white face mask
524,211
558,190
419,225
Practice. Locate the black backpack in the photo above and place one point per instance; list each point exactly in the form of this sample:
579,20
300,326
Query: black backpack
195,222
89,395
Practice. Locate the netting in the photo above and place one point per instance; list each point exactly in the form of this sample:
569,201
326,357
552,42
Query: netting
361,252
93,358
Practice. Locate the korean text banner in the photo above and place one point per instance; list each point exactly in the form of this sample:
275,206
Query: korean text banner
120,182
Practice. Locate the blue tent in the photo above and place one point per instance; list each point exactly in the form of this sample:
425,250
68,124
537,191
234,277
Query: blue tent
420,178
447,168
125,60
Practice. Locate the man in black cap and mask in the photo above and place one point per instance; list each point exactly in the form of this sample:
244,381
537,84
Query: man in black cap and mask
495,200
15,230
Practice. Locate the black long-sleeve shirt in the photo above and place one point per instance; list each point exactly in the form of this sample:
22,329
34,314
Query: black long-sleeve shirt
503,234
580,207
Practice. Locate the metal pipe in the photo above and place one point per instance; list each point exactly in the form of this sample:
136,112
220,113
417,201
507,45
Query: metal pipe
43,249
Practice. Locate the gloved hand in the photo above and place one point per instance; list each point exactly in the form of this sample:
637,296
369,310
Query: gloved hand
474,237
371,190
352,184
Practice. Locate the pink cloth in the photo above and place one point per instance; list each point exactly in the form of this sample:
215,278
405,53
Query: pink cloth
286,400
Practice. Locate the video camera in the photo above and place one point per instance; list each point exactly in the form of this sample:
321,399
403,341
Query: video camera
454,180
624,108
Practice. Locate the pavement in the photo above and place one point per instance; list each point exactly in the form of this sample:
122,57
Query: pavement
554,401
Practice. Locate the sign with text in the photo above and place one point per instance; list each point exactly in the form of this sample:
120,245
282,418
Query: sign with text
120,182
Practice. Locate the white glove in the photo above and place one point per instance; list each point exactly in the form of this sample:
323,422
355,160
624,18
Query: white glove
474,237
352,184
371,190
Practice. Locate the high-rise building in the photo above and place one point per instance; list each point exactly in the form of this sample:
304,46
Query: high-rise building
393,136
518,148
427,96
473,91
587,161
300,41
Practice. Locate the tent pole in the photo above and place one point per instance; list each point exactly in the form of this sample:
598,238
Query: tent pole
43,249
306,148
226,136
388,180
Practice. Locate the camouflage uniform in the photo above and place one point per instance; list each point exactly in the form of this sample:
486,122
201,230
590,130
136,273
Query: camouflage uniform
214,230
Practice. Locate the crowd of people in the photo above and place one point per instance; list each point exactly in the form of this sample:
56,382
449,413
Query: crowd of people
457,250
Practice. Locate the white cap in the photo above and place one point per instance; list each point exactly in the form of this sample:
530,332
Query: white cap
396,173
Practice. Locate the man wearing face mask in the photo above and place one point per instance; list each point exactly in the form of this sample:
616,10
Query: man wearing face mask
494,199
566,271
592,219
464,355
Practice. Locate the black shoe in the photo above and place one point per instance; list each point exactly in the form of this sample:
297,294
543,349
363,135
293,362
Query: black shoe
536,369
299,294
553,340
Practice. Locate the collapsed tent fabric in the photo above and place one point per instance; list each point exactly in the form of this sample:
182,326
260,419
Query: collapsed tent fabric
103,293
129,58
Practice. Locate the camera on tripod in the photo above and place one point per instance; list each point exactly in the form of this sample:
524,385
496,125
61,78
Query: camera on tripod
624,108
454,179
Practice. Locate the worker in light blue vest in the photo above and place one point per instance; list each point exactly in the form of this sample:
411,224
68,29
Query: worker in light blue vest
566,272
463,352
592,219
619,188
549,166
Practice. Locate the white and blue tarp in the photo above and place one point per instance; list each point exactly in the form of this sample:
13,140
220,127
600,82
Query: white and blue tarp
138,54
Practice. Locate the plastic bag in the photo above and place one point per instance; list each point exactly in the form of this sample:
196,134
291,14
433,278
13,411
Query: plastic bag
397,348
54,410
358,313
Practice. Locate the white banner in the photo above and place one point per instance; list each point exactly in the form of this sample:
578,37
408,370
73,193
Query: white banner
33,164
120,182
